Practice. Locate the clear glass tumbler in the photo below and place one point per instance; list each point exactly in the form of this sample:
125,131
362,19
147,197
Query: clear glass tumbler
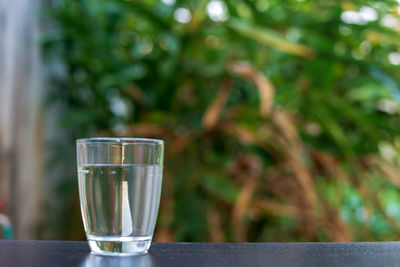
119,187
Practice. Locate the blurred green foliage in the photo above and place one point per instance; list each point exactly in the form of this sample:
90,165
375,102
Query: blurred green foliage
320,164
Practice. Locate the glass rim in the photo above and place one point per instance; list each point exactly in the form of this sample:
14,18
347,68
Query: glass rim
119,140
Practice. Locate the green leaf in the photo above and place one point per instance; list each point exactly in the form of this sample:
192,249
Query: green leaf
269,38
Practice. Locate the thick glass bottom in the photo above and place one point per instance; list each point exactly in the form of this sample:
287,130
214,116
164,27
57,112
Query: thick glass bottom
118,246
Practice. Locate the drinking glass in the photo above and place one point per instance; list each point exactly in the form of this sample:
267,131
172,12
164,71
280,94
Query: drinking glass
119,187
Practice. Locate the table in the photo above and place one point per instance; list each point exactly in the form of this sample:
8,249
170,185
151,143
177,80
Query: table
64,253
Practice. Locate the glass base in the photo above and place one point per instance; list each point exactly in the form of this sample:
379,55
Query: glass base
119,246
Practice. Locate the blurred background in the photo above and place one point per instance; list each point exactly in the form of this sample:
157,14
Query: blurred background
281,118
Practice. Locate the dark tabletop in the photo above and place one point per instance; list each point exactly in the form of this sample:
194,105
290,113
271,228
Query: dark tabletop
56,253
